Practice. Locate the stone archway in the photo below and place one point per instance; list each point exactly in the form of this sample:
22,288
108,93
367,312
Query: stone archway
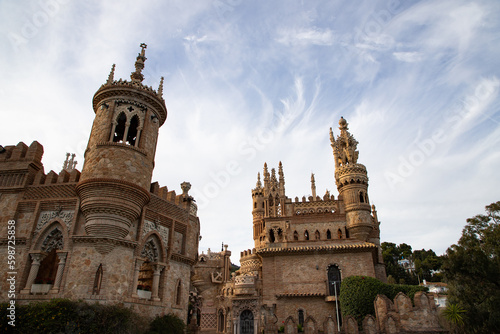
246,322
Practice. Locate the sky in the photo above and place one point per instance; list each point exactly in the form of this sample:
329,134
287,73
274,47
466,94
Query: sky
248,82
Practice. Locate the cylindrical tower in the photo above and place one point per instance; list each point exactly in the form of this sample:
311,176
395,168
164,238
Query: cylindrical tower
119,159
352,183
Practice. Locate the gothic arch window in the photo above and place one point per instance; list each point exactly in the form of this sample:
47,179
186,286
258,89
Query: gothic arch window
150,250
306,235
220,324
339,233
328,234
361,197
317,236
119,129
97,281
301,317
246,322
178,293
133,130
295,236
334,280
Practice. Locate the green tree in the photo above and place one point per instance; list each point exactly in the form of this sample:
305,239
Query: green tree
391,254
472,270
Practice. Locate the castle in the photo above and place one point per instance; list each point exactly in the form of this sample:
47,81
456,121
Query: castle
110,235
106,234
303,249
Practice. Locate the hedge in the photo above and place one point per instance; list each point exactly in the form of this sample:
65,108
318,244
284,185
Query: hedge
357,294
66,316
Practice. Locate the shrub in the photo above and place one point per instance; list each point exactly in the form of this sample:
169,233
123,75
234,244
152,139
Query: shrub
66,316
167,324
357,294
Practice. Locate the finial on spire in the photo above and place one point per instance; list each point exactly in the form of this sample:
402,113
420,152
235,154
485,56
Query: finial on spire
137,76
259,184
111,76
160,88
69,164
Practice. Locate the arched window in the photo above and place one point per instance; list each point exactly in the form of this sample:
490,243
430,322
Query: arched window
346,233
221,321
339,233
97,281
301,317
119,130
295,236
306,235
317,235
178,292
334,280
132,131
328,234
246,322
255,205
48,269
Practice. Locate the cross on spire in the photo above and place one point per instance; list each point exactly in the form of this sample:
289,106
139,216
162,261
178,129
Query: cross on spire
137,76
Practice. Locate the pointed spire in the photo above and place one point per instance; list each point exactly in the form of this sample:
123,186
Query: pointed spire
111,76
281,180
332,138
137,76
160,88
313,187
259,184
266,176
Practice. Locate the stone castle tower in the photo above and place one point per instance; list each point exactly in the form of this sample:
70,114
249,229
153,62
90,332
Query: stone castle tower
119,158
107,234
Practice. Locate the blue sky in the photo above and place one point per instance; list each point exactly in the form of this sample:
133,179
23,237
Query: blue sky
248,82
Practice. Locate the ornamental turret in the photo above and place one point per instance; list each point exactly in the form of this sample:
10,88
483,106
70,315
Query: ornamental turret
352,183
119,160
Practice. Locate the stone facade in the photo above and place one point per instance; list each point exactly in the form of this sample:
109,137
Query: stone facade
106,234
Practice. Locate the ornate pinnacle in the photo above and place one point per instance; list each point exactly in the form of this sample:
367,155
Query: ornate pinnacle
332,138
111,76
160,88
137,76
259,184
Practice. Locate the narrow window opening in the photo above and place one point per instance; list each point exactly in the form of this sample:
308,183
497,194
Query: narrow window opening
317,236
120,128
306,235
361,197
132,131
301,318
178,293
97,281
271,236
328,234
339,233
334,279
346,233
295,236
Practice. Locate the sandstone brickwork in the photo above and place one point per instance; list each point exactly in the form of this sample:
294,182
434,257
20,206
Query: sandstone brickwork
106,234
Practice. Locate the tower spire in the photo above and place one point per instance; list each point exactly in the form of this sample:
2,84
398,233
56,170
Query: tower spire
259,184
111,76
160,88
137,76
313,187
281,185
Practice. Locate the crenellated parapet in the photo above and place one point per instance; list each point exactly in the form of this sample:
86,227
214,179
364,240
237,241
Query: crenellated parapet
250,261
19,164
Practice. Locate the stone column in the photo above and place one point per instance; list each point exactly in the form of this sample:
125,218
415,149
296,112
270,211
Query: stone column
138,265
236,323
60,269
125,133
35,265
136,144
113,131
157,268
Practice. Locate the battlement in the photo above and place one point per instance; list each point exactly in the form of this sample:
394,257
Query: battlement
182,200
248,253
21,152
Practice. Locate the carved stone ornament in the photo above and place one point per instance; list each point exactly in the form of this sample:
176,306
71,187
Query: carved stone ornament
150,226
245,304
54,240
150,251
46,216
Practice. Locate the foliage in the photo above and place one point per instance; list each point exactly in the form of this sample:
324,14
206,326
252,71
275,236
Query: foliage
357,294
281,329
300,328
65,316
167,324
453,313
472,270
391,254
426,263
